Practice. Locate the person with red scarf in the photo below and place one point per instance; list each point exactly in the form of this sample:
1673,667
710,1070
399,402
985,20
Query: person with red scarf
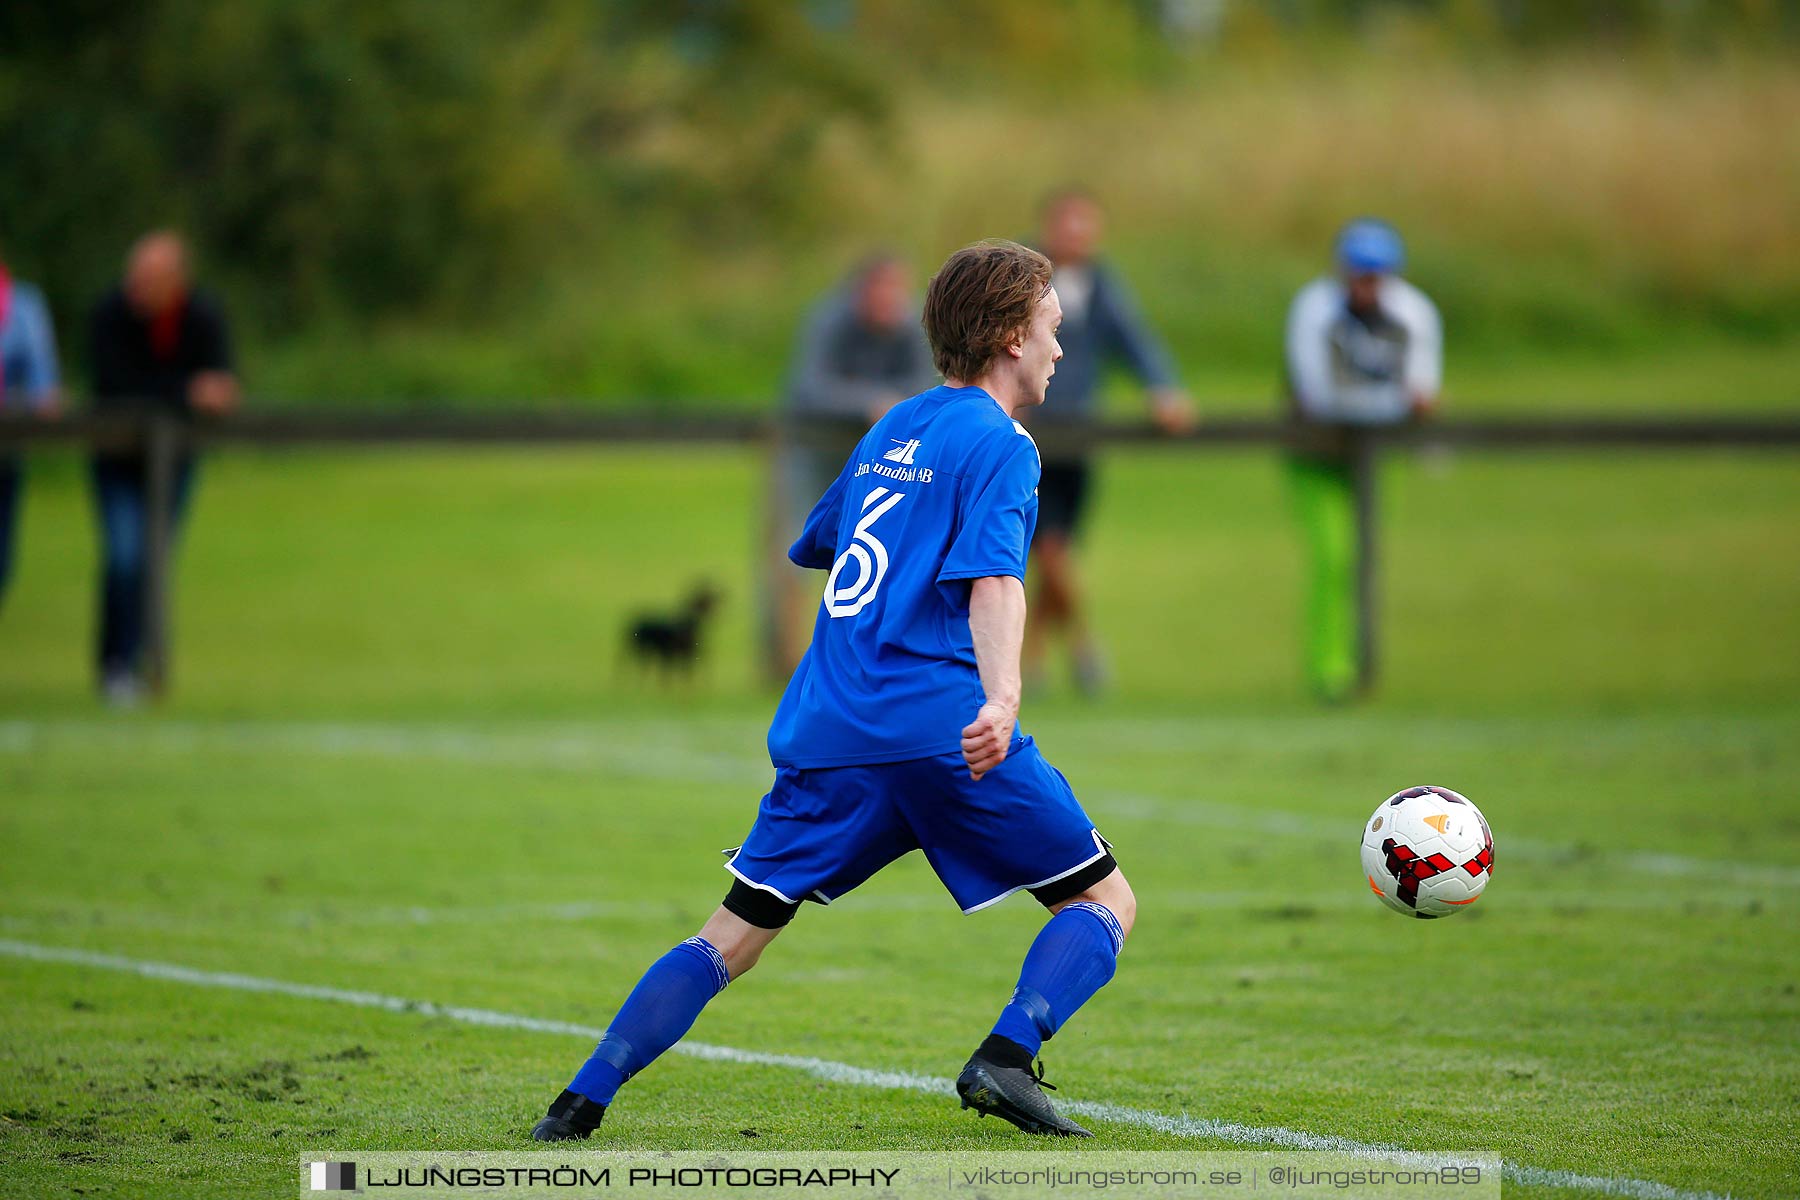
29,382
157,343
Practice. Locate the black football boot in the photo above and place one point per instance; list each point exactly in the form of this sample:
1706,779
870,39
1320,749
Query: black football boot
999,1080
572,1117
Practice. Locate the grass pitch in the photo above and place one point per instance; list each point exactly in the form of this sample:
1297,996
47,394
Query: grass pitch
398,764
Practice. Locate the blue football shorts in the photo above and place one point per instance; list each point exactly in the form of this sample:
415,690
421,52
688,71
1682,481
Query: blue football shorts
822,831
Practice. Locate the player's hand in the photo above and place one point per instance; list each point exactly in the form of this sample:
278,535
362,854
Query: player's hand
213,393
1172,412
986,738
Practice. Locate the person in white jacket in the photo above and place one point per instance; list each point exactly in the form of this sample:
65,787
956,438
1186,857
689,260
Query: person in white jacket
1364,348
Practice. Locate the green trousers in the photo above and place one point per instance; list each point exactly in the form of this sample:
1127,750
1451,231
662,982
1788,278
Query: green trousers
1325,498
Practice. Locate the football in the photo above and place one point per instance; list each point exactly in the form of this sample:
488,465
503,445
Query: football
1427,852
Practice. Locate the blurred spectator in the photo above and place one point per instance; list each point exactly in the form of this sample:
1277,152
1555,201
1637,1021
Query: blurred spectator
157,343
861,352
28,382
1364,348
1101,325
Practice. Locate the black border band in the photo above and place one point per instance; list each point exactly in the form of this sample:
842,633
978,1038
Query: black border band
1058,890
765,910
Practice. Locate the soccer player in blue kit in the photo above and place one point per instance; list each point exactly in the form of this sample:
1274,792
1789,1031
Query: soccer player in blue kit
898,731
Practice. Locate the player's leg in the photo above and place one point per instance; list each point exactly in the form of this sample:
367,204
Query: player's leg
1059,562
121,506
1327,504
11,475
1053,557
1060,609
800,475
1048,613
664,1006
818,834
1073,956
1020,828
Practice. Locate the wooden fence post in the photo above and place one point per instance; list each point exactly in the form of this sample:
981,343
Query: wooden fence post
162,449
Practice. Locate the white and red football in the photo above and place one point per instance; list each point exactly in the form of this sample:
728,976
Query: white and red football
1427,852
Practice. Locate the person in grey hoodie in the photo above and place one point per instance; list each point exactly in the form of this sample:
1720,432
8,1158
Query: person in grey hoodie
861,351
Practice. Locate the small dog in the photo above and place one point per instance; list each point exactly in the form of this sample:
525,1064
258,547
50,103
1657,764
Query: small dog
670,643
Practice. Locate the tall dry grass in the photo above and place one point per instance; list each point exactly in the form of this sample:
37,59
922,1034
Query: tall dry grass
1597,210
1680,177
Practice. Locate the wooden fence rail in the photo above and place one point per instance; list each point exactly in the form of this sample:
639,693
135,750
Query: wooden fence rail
163,439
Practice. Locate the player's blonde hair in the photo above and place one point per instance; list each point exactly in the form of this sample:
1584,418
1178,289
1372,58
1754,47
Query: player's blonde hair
982,298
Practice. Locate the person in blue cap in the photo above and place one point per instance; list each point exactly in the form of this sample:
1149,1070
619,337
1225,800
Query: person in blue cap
1364,348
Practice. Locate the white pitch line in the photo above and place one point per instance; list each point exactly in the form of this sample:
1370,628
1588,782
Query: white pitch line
844,1073
174,920
645,754
639,751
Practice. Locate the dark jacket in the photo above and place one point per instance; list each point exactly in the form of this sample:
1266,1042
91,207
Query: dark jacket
131,367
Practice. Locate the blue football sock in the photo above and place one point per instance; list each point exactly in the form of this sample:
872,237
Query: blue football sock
662,1007
1071,959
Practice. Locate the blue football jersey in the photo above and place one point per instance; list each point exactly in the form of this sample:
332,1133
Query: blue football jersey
941,491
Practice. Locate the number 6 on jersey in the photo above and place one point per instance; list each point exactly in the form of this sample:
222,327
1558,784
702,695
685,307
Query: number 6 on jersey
848,601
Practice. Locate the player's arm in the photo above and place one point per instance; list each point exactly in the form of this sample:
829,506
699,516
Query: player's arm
42,383
1308,351
999,506
1424,368
214,390
1129,336
997,628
